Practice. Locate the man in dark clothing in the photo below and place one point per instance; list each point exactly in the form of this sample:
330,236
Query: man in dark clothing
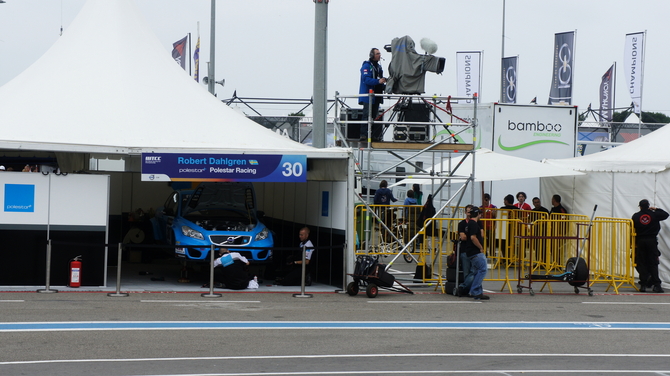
229,270
475,252
464,286
537,206
557,208
384,196
508,233
647,225
372,78
508,202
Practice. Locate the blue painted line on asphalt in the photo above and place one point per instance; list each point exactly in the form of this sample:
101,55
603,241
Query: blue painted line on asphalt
223,325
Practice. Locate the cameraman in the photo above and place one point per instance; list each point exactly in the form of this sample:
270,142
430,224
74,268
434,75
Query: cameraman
372,78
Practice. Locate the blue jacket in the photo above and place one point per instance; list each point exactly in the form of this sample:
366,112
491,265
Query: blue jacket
384,196
370,75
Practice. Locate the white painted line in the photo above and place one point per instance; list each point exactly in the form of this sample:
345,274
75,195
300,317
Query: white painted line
419,372
199,301
12,301
349,356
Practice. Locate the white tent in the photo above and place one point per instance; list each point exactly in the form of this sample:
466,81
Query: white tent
491,166
108,86
617,179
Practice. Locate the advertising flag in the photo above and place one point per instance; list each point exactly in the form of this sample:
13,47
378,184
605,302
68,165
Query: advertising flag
564,57
179,52
508,79
468,73
196,60
607,95
633,64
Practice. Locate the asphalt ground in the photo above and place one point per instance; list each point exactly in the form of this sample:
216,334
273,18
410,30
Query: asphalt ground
275,333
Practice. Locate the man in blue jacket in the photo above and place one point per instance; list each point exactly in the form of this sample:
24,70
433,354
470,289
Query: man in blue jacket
372,78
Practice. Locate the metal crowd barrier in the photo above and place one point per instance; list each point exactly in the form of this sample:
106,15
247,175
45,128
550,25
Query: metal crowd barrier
516,242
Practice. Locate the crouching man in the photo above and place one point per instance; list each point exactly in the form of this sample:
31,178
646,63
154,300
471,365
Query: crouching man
230,270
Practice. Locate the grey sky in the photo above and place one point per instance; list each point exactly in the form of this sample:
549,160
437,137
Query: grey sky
264,47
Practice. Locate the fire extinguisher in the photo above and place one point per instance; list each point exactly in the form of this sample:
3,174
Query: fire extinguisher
75,272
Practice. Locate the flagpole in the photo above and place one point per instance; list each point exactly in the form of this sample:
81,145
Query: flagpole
479,89
502,51
613,98
644,51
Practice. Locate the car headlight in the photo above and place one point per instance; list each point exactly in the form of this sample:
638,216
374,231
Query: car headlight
263,234
191,233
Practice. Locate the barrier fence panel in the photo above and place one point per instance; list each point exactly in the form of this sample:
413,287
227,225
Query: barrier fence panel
517,243
613,243
386,230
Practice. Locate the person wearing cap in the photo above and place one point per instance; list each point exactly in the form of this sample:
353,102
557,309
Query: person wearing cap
647,225
474,249
2,168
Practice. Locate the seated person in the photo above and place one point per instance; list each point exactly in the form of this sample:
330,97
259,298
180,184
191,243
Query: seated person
230,270
292,276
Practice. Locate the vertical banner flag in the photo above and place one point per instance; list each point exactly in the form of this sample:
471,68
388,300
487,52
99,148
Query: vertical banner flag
196,59
564,57
607,95
633,64
468,74
508,83
178,52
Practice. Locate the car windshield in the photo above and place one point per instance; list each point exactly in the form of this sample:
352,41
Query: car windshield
222,214
234,201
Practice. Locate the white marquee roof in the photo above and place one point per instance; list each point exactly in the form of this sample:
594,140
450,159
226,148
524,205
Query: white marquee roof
650,153
109,86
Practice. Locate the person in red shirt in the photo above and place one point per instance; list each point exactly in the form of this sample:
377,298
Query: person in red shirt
522,204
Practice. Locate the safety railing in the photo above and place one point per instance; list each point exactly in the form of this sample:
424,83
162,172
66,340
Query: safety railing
517,243
387,236
614,241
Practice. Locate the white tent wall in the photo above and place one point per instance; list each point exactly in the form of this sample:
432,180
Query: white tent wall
301,203
617,195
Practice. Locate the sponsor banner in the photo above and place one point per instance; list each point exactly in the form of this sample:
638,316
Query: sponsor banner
564,57
179,51
607,95
20,198
196,60
633,65
224,167
535,132
508,79
468,73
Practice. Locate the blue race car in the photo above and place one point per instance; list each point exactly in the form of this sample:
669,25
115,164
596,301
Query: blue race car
223,214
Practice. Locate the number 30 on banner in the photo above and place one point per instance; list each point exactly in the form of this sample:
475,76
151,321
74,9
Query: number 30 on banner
292,169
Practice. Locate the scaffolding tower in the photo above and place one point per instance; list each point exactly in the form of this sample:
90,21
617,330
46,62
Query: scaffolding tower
415,122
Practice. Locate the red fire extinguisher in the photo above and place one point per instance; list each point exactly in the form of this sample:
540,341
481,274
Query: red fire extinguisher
75,272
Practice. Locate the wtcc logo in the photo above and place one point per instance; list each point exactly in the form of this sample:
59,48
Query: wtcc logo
152,159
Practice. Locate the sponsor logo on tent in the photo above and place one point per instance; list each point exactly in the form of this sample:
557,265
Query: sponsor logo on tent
20,198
